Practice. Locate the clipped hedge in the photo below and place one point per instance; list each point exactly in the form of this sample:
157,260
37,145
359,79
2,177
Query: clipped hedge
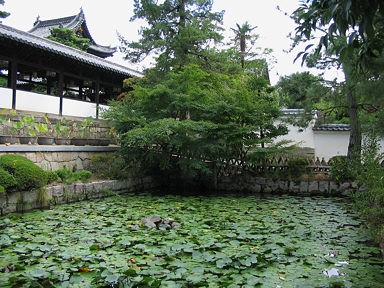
7,181
26,174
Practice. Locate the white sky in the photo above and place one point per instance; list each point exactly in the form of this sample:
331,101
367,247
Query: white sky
106,18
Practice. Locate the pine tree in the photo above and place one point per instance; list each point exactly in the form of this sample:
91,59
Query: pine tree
179,32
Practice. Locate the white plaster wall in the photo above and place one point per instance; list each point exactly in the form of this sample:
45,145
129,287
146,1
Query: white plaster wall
78,108
330,143
5,98
36,102
303,137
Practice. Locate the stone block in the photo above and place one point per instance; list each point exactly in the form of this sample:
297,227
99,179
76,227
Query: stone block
89,188
32,157
303,187
66,156
313,186
324,186
283,185
57,191
13,198
45,165
48,156
255,188
260,180
294,187
39,157
30,196
334,187
79,164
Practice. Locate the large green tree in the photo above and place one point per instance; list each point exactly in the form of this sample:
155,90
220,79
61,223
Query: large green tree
194,119
3,14
360,21
355,37
179,32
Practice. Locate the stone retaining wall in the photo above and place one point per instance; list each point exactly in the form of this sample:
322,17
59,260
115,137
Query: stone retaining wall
61,194
56,157
275,186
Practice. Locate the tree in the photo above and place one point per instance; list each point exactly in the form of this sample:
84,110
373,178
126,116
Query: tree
354,36
3,14
69,38
360,21
193,120
242,34
179,32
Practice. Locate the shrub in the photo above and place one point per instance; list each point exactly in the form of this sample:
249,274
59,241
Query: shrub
67,176
111,166
51,176
340,169
7,181
83,176
296,167
27,175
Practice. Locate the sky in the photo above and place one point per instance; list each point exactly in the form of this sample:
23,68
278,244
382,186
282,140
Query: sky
107,18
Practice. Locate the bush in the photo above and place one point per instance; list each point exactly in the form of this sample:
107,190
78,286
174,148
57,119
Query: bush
2,190
67,176
83,176
111,166
64,174
340,169
27,175
7,181
296,167
51,176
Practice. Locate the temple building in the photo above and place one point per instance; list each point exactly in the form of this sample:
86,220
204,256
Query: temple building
77,24
38,74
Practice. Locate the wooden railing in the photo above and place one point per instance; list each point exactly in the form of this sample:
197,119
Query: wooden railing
235,167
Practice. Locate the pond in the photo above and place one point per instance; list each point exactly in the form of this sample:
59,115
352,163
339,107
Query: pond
223,241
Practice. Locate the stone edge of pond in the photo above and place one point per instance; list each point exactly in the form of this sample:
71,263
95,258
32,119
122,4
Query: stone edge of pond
62,194
275,186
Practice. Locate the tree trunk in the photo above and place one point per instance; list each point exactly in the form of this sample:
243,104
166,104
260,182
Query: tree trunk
354,146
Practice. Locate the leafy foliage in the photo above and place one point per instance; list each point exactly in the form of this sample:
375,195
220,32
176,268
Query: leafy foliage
26,174
6,179
193,117
110,166
358,20
3,14
340,169
101,243
370,173
69,38
68,176
178,31
296,167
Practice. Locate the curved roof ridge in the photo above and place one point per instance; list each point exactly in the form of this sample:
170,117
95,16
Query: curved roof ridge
64,50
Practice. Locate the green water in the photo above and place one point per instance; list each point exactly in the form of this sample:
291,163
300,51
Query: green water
225,241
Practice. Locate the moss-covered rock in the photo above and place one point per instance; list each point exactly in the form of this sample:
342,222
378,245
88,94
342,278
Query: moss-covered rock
27,175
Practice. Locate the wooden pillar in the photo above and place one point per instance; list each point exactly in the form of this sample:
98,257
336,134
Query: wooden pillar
12,81
60,92
97,97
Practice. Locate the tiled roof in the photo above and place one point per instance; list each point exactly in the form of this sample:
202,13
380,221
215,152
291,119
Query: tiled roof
43,29
332,127
44,44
